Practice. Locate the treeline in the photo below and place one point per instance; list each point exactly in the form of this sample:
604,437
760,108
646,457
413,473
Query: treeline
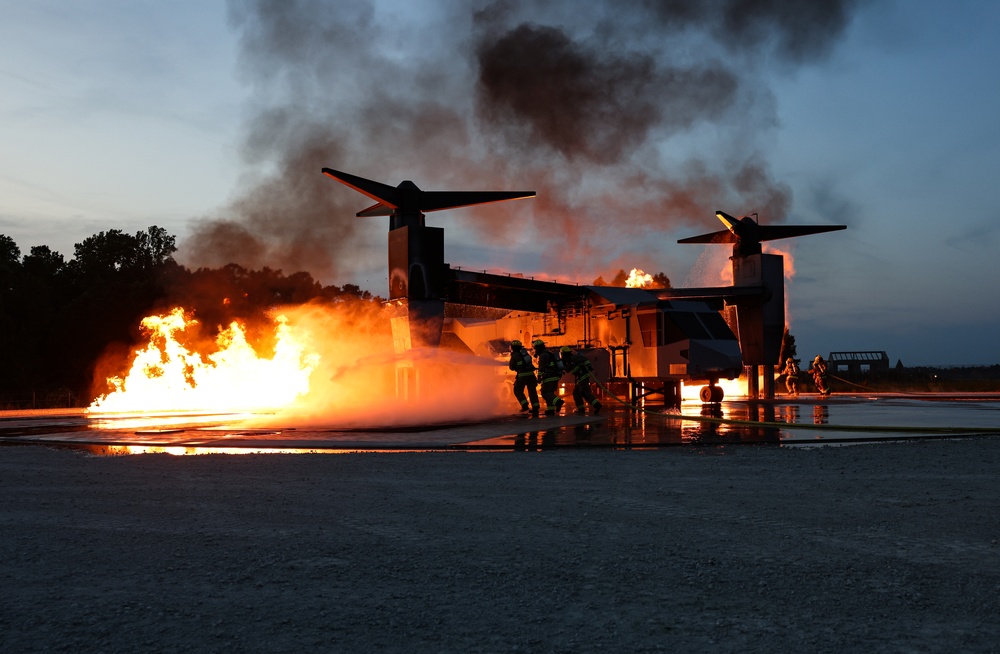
59,318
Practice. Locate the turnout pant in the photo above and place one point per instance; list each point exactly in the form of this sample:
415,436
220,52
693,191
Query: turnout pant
531,385
582,393
552,401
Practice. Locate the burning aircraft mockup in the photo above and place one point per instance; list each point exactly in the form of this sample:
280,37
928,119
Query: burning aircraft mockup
650,339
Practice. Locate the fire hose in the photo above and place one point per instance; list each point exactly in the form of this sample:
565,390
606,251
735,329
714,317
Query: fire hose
840,379
869,388
795,425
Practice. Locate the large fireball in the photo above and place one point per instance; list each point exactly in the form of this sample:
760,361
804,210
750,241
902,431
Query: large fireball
167,376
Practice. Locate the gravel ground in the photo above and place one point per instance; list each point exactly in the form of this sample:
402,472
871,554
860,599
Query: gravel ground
875,548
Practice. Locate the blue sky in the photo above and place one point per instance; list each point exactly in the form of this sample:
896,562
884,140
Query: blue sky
121,115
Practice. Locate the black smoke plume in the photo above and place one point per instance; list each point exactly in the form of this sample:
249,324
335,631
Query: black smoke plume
596,106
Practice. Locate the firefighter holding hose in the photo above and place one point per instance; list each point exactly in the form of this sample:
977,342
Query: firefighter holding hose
524,367
791,373
818,371
550,370
583,371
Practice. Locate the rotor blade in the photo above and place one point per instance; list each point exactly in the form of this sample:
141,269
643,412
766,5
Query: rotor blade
377,209
440,200
408,197
383,193
773,232
733,224
725,236
755,233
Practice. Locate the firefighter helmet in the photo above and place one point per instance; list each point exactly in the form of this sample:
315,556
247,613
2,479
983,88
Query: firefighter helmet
539,343
565,349
515,344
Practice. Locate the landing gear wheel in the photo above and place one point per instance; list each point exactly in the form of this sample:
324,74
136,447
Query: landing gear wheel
711,394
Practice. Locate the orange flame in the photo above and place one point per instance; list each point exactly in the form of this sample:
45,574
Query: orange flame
731,387
788,259
332,365
166,376
638,279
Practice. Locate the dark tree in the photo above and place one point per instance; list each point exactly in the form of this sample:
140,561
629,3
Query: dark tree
10,254
660,280
620,278
10,289
59,319
788,350
43,263
156,247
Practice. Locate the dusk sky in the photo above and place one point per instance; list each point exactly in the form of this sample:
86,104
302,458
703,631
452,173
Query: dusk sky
633,121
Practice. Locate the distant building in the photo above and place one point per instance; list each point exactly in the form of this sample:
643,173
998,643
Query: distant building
858,363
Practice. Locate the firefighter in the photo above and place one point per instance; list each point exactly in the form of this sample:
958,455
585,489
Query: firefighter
583,371
521,363
818,372
791,372
550,370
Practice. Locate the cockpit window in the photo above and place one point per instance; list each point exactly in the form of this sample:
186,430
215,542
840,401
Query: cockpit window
716,325
689,324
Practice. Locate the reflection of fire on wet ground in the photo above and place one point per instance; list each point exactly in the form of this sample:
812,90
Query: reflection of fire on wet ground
805,421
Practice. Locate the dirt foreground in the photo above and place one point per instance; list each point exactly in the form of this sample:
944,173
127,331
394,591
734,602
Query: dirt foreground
874,548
